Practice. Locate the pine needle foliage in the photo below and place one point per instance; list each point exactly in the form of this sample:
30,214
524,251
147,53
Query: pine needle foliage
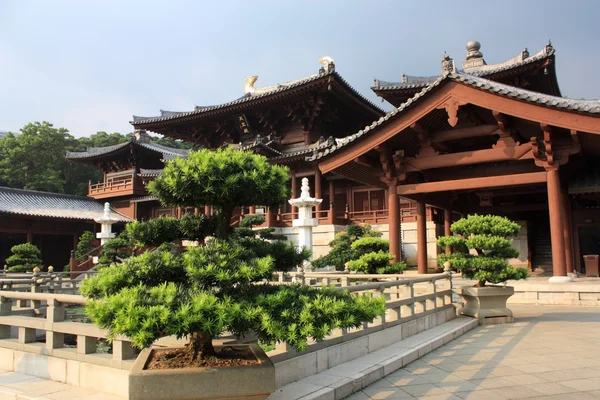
25,257
221,285
481,246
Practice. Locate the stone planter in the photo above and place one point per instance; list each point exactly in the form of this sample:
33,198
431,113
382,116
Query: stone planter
487,304
255,382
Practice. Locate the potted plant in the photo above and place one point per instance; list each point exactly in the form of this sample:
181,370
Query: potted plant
222,286
481,246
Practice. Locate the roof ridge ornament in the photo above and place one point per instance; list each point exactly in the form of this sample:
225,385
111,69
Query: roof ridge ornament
328,65
140,135
474,57
249,85
549,48
448,66
524,54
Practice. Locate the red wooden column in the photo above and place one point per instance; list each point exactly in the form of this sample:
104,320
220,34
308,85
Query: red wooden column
421,237
269,217
207,210
556,228
252,210
331,202
447,224
318,193
567,234
394,223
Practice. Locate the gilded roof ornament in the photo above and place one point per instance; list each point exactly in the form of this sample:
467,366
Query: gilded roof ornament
328,65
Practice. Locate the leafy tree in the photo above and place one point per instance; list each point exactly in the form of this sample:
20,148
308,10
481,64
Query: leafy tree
176,144
481,246
221,285
25,257
341,247
116,250
85,244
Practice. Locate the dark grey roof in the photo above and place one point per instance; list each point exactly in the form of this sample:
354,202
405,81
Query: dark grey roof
52,205
97,151
414,82
148,173
582,106
248,98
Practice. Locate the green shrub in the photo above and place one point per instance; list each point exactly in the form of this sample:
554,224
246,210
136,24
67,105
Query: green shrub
370,245
341,247
25,257
371,262
85,244
482,248
154,232
116,250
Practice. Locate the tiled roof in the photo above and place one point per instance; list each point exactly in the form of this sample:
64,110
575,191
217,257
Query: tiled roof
166,116
97,151
582,106
149,173
52,205
413,82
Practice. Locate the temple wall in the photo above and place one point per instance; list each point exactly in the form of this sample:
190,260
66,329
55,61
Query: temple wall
520,243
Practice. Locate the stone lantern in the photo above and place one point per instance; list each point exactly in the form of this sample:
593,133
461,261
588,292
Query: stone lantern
305,221
106,221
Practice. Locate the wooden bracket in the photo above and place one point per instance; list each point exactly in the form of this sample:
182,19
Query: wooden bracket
452,106
423,135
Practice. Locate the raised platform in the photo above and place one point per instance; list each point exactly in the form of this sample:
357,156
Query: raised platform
538,290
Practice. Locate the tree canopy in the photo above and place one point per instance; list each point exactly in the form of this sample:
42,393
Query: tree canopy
34,159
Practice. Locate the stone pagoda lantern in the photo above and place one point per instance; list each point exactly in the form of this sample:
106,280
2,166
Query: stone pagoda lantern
305,221
106,222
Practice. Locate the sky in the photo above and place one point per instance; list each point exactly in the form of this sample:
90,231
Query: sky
90,65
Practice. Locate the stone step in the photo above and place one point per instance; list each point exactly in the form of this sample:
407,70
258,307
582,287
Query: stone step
341,381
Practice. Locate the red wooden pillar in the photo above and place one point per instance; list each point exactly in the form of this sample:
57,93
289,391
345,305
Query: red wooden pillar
394,223
318,193
447,224
252,210
331,202
178,212
556,226
566,220
294,193
269,216
421,237
207,210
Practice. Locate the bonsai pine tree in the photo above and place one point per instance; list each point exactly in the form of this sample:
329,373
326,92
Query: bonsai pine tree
341,247
481,247
220,286
85,244
25,257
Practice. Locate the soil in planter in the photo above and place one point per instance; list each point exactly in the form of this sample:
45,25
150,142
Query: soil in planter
226,356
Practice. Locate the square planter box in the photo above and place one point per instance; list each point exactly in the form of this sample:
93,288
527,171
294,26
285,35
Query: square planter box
255,382
487,304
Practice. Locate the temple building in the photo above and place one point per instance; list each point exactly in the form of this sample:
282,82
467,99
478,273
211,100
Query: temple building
483,138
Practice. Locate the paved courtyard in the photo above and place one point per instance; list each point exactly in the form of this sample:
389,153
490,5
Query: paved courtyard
550,352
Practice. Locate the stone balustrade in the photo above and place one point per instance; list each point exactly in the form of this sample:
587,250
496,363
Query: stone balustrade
407,299
38,320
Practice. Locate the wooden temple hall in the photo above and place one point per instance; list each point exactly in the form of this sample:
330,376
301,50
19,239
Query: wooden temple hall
478,138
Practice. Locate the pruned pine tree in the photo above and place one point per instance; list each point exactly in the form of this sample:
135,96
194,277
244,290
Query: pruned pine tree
222,285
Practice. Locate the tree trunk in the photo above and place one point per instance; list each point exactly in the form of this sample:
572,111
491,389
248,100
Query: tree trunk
200,345
223,228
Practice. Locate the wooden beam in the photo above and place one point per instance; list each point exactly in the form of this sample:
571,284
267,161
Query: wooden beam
473,183
469,157
463,133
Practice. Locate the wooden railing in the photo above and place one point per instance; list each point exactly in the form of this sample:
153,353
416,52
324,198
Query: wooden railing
369,217
125,185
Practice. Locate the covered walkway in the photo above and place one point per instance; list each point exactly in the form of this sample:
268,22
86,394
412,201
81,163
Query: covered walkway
551,352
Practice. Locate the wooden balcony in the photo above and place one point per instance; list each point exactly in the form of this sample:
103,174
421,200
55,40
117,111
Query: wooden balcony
117,187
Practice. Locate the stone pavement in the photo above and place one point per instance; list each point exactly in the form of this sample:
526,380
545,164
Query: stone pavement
16,386
550,352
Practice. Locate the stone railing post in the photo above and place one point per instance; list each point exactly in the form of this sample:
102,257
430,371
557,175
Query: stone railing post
54,313
5,309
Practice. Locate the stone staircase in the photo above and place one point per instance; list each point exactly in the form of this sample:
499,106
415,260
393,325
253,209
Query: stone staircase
542,247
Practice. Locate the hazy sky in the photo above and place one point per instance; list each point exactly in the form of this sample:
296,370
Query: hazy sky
88,65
